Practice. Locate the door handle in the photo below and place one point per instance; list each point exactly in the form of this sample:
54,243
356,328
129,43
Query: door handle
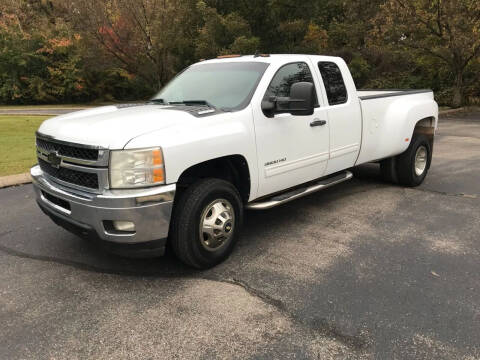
318,123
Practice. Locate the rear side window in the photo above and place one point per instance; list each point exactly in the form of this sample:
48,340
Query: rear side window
333,81
286,76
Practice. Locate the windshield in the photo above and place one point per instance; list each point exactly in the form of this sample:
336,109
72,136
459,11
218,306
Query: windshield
227,86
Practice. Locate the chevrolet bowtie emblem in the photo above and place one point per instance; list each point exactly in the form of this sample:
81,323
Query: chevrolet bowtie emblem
54,159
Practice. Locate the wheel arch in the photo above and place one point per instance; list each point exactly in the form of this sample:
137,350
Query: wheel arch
410,116
426,126
231,168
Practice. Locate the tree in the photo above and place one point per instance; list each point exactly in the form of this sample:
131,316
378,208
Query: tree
147,37
223,34
82,50
447,30
39,66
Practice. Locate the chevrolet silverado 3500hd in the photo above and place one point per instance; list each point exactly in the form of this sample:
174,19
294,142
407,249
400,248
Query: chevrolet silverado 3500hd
227,134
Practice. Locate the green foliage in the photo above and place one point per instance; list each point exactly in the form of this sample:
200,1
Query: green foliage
244,45
223,34
444,30
114,84
38,69
61,51
360,69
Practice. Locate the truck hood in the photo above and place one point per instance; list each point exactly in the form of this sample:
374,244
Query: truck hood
112,127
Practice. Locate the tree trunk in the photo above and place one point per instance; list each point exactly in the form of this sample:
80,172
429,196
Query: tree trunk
458,98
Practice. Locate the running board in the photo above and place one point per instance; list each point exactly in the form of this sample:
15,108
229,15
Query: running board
300,192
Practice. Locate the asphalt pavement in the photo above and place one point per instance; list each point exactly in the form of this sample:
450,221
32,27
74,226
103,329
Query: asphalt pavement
362,270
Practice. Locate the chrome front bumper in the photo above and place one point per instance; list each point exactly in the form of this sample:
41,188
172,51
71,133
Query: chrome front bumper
149,209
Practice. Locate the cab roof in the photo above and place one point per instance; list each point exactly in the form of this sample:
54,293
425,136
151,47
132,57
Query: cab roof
266,58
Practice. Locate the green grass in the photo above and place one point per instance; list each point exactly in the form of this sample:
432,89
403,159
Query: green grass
40,107
17,143
55,106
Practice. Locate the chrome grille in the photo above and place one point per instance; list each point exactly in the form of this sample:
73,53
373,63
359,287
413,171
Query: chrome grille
78,166
88,180
68,150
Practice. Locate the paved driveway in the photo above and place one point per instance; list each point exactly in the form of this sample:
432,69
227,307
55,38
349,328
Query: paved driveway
41,111
363,270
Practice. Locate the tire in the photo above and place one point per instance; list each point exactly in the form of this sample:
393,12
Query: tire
408,169
388,169
217,205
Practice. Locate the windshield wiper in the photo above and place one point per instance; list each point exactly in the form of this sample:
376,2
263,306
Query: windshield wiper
156,101
193,103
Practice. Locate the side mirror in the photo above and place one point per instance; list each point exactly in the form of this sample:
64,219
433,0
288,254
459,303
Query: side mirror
269,107
302,98
300,102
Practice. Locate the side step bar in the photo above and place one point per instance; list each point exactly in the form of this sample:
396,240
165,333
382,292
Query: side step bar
300,192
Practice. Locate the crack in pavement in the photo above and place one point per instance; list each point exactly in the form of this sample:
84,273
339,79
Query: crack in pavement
460,195
278,304
322,327
437,192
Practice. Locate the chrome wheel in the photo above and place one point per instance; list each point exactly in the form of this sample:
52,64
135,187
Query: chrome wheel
217,224
421,160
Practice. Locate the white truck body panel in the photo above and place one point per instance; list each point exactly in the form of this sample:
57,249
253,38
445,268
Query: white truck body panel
273,144
204,139
345,120
289,151
112,127
281,152
388,123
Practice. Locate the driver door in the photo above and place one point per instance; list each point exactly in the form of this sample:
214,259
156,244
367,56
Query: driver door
291,149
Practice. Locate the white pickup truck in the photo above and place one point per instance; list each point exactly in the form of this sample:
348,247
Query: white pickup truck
227,134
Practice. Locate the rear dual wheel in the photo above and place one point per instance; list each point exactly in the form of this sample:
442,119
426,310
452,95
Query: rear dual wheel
411,167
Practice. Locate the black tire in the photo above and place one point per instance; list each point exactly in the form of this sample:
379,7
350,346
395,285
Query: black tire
184,237
406,162
388,169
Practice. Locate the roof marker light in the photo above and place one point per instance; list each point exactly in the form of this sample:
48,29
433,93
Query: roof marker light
228,56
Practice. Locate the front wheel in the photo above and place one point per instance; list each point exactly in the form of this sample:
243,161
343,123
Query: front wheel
413,164
206,222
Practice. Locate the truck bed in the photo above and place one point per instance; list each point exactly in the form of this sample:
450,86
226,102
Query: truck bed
388,119
366,94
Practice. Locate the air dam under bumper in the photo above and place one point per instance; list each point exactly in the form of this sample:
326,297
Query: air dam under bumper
89,214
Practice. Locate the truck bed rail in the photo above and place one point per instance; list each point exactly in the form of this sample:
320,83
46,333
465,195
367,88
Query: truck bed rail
382,93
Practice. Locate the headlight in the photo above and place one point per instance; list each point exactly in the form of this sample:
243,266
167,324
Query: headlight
136,168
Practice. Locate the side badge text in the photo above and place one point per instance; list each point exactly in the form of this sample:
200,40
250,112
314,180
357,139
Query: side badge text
275,162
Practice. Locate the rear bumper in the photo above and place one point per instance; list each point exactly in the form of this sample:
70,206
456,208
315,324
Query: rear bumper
90,214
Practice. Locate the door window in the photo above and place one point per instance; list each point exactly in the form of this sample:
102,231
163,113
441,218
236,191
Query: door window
285,77
333,81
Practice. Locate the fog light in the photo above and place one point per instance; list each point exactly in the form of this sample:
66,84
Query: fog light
123,225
